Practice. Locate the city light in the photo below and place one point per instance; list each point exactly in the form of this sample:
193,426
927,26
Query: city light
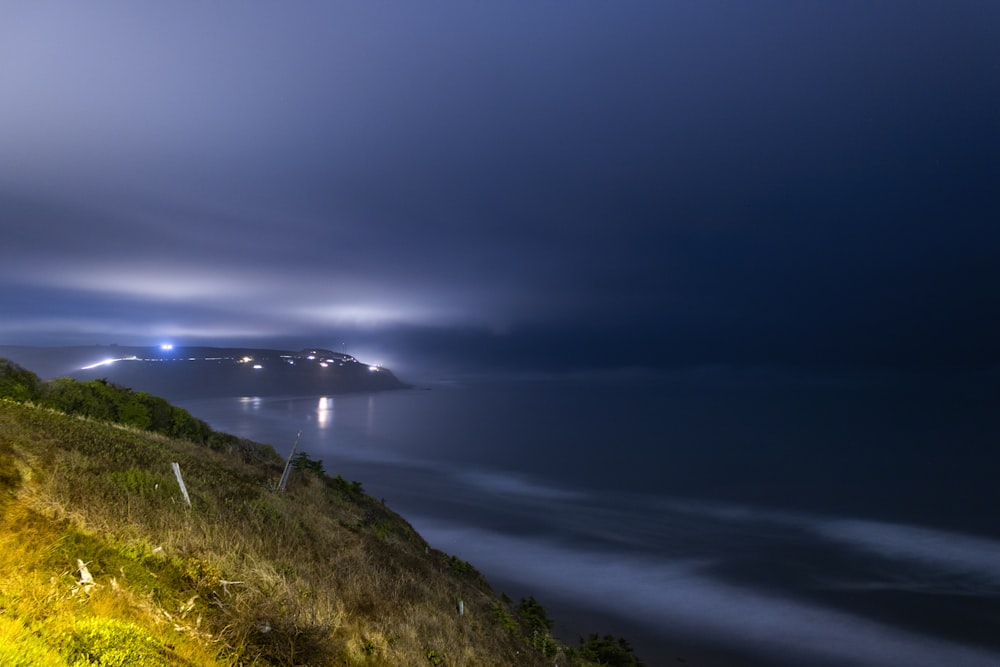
104,362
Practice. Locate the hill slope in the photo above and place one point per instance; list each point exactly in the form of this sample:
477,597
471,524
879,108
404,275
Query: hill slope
103,562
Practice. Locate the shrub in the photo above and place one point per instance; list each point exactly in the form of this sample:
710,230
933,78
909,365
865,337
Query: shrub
533,616
108,642
87,399
504,618
301,461
460,567
346,489
18,383
607,650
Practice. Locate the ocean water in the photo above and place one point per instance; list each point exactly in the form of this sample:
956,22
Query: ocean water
721,518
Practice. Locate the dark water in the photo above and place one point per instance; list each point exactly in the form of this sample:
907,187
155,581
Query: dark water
738,519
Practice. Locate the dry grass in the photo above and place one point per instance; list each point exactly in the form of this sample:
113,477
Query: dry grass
319,575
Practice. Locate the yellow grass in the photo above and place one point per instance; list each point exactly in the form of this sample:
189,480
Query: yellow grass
319,575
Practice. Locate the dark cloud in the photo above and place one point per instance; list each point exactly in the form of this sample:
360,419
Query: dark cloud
683,184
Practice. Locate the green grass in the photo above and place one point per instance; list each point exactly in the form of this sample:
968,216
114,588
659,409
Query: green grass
321,574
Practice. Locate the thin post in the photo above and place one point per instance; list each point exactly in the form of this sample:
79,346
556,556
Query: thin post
288,464
180,481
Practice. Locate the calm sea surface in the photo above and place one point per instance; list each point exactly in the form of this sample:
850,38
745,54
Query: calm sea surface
725,519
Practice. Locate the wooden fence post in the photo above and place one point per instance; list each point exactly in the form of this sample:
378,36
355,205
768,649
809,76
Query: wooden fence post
180,481
288,464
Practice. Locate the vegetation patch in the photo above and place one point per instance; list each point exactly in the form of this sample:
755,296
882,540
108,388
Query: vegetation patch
607,651
20,647
108,642
103,563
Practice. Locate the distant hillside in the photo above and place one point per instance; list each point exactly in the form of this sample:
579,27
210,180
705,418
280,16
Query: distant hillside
191,372
103,562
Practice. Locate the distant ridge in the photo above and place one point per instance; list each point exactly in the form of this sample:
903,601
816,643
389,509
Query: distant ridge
195,372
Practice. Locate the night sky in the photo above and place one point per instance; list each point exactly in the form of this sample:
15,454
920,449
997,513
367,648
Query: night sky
533,185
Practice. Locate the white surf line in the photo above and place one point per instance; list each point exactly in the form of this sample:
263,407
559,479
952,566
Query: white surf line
678,597
955,552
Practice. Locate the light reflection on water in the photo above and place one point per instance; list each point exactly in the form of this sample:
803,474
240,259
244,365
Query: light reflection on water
325,412
249,403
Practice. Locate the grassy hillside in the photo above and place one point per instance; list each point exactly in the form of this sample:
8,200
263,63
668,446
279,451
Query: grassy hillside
102,562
